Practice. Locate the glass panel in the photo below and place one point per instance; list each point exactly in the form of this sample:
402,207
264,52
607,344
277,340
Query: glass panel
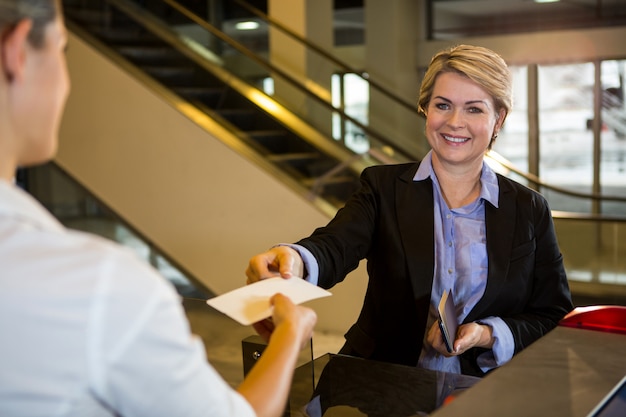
350,92
356,96
512,142
336,92
613,135
593,252
565,137
267,85
349,22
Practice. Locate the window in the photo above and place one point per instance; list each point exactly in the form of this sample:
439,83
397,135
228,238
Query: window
613,134
565,135
350,93
512,142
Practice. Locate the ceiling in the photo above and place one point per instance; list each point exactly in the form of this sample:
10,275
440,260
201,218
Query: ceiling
476,8
463,18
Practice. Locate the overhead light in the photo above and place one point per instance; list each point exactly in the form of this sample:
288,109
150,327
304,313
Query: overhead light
546,1
247,25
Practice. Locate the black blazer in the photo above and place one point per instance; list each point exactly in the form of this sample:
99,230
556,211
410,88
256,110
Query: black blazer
389,222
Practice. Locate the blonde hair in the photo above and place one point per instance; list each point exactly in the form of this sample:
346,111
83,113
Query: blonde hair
481,65
41,12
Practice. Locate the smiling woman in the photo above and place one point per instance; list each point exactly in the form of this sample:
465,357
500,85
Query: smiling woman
461,124
447,223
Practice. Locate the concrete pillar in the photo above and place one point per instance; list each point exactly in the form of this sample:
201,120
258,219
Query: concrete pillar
313,20
392,31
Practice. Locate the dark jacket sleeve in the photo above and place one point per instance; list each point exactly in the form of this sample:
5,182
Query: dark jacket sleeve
383,224
339,246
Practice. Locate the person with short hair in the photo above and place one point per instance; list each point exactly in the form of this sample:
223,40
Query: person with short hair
448,222
89,329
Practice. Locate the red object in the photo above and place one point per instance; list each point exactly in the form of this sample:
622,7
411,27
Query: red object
602,318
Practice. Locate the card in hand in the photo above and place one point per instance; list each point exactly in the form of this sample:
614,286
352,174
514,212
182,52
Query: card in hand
447,320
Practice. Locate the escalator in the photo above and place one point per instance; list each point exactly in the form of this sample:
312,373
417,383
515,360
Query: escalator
321,165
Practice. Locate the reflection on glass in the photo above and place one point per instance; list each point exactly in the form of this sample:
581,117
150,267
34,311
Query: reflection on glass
512,141
592,251
350,386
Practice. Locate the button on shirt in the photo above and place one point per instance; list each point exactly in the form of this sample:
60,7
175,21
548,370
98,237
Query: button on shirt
89,329
461,266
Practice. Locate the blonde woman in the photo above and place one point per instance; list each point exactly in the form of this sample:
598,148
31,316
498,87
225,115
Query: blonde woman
448,222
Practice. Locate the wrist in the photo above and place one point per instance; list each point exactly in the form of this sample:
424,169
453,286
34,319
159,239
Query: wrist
486,335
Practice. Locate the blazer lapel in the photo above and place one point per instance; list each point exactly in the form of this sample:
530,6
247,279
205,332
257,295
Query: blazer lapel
414,211
500,231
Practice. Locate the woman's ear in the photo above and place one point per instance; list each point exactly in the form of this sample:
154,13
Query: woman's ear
14,48
499,122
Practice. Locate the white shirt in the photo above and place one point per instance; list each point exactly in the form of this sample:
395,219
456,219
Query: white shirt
89,329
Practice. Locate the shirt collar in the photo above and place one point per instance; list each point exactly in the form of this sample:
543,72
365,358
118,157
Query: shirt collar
16,203
489,182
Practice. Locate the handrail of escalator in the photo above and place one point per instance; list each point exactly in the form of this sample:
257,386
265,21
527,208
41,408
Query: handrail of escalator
269,66
321,51
135,12
599,218
538,182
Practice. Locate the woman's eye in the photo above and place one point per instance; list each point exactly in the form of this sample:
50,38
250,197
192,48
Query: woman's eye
475,110
442,106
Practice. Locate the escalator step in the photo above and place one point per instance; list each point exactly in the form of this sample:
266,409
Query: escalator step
161,54
169,72
208,96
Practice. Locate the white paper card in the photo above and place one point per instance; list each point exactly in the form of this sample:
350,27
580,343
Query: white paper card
251,303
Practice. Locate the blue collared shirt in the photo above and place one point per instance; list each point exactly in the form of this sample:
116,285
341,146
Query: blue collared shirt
460,265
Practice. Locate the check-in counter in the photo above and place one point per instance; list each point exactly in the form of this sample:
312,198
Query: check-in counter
566,373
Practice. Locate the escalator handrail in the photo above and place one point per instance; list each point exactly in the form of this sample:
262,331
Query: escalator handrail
599,218
269,66
538,182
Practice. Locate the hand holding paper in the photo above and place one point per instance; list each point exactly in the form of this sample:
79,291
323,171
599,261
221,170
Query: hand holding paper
251,303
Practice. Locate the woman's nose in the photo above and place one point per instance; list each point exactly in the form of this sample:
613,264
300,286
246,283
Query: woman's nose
456,119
